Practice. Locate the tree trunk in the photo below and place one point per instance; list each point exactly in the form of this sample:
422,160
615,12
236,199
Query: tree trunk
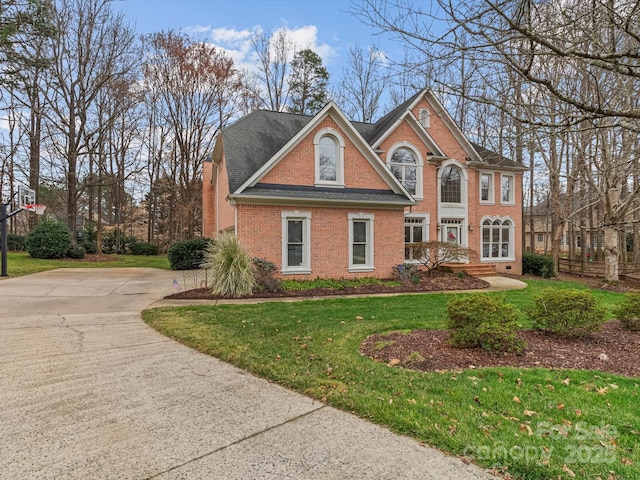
611,254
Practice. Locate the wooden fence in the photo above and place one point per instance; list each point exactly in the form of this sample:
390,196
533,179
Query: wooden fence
593,269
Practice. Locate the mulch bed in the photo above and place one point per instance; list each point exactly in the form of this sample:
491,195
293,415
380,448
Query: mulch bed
613,349
433,283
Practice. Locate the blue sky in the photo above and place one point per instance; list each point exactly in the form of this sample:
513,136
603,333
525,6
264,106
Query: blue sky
326,26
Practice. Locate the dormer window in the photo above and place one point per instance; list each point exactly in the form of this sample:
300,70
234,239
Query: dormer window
328,161
329,158
424,118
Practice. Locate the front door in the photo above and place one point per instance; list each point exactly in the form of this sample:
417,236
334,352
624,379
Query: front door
451,231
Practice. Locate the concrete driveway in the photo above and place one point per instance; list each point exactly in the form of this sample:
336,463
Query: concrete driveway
88,391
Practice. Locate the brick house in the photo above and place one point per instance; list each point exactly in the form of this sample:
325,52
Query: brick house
321,196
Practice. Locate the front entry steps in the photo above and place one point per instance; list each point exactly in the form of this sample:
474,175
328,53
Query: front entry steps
473,269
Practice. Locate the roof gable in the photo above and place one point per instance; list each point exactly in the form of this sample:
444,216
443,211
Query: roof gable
255,139
346,127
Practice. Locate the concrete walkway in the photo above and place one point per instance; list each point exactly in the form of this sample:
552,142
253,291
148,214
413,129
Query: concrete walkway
88,391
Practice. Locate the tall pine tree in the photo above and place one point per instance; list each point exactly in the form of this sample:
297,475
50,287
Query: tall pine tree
308,82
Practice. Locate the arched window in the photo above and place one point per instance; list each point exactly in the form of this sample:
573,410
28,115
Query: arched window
424,118
404,165
451,185
497,239
328,159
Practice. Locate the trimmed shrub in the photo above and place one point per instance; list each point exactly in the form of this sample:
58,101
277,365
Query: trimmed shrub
569,313
143,248
76,251
48,239
540,265
90,247
16,243
264,270
628,312
484,321
230,267
187,254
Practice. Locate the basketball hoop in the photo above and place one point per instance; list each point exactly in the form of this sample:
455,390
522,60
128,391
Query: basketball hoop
36,208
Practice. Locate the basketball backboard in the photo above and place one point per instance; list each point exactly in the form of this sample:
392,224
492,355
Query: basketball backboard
26,196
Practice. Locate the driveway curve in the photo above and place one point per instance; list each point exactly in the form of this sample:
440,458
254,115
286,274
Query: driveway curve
88,391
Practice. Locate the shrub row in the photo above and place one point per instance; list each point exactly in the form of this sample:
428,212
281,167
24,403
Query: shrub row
480,320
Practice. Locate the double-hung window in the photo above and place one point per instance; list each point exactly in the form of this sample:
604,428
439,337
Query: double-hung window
296,242
507,193
486,188
360,242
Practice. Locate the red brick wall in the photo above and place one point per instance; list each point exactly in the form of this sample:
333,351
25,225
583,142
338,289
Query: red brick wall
260,229
213,199
299,166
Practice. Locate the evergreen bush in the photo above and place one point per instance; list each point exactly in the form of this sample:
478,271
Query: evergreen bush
187,254
117,242
143,248
570,312
16,243
76,251
628,312
90,247
539,265
484,321
48,239
230,267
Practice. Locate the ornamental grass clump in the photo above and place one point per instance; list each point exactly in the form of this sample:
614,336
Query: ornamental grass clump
230,267
568,313
483,321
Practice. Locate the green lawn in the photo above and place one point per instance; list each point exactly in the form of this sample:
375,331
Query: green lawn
533,424
19,263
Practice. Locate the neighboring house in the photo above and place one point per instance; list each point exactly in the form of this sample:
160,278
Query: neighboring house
321,196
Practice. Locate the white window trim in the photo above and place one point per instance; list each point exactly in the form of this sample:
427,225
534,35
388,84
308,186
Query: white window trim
369,266
512,242
492,188
306,241
426,219
512,199
419,195
339,182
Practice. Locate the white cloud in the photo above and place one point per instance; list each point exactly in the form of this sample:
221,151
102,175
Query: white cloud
236,43
231,36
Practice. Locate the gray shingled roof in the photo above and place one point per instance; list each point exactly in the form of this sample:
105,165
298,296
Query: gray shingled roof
253,140
346,195
494,159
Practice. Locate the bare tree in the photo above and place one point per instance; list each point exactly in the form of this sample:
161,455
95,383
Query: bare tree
363,82
92,47
594,45
197,89
273,51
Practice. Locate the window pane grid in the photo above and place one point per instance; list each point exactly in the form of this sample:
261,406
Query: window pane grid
496,239
450,185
